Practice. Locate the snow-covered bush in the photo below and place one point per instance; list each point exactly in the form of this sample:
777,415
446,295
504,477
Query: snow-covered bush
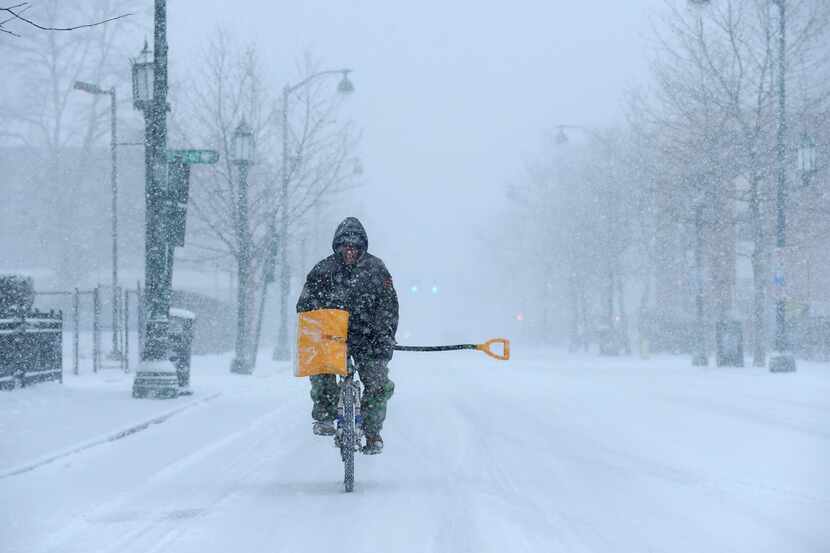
17,294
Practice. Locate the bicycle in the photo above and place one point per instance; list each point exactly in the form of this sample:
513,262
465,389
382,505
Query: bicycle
321,348
348,435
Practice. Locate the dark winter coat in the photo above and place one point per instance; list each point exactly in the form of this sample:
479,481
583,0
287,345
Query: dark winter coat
364,289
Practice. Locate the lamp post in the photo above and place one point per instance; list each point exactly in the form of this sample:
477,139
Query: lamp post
783,360
243,148
345,86
156,372
94,89
807,167
700,358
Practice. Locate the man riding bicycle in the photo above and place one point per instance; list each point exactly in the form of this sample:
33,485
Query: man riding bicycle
354,280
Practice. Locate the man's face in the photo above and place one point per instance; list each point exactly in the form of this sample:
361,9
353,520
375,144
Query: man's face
350,254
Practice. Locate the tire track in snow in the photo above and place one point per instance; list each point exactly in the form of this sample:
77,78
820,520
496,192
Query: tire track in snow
499,454
586,431
88,528
762,417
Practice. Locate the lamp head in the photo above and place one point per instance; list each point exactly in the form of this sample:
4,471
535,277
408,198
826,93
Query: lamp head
807,154
345,86
143,79
88,87
243,144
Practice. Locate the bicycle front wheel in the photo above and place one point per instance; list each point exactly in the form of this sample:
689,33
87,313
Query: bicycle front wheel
347,444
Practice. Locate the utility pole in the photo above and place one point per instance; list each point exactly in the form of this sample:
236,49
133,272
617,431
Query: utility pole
156,374
241,363
243,156
155,238
782,360
700,358
116,300
267,278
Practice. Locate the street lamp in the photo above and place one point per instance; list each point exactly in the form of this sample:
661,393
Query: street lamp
242,155
143,71
345,86
243,145
807,156
156,374
96,90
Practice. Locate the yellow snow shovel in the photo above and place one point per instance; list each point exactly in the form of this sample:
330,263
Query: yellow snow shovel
321,342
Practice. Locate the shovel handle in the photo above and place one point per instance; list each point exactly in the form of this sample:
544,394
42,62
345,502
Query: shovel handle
456,347
487,347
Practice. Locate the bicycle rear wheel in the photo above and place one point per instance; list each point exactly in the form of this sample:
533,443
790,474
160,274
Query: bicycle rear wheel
347,444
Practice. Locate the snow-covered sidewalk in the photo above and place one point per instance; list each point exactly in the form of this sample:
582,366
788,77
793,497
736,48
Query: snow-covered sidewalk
50,419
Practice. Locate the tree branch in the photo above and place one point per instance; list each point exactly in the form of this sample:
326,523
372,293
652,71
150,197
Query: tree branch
16,12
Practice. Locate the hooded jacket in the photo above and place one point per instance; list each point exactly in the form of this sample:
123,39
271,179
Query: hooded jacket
364,289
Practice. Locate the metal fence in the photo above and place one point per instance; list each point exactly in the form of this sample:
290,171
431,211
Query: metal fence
31,349
87,324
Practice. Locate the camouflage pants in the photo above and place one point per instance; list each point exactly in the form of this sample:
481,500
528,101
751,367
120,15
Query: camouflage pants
377,389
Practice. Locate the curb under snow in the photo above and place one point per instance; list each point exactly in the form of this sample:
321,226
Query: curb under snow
111,437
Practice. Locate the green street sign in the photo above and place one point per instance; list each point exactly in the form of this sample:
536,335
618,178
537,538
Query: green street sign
193,156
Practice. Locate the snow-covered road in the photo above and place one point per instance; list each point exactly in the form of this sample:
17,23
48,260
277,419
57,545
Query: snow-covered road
545,453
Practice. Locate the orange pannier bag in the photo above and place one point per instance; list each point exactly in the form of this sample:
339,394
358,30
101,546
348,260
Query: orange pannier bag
321,342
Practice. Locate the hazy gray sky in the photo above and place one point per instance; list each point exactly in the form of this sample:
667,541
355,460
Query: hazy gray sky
452,97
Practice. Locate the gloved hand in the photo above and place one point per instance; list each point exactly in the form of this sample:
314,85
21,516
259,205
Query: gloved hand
383,347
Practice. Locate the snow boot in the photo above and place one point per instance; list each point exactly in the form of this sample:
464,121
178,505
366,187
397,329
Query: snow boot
374,444
323,428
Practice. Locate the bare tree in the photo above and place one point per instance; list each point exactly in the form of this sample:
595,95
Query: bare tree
17,13
574,214
230,87
40,112
715,110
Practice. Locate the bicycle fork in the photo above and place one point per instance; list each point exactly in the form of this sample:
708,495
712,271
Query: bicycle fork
341,421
